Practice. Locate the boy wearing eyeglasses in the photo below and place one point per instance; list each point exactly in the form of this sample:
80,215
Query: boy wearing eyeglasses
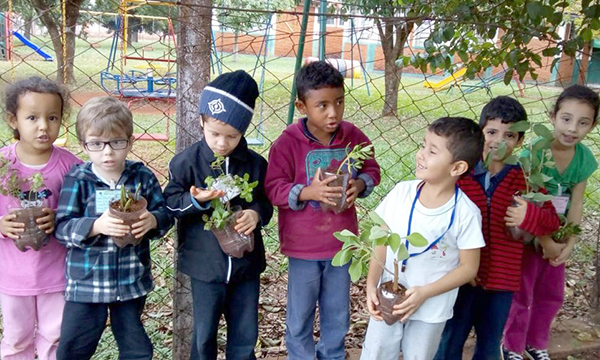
103,278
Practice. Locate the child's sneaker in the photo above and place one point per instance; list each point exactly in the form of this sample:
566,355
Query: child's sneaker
510,355
535,354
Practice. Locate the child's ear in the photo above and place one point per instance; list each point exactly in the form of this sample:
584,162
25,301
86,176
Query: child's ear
458,168
300,106
11,119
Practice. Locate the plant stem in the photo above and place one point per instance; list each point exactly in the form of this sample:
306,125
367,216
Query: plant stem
395,287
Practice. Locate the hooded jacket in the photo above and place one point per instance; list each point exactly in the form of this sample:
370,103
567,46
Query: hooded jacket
200,255
305,231
97,270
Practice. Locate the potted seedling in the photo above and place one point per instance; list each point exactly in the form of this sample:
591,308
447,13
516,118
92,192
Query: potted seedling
360,250
128,207
354,160
224,217
531,163
26,206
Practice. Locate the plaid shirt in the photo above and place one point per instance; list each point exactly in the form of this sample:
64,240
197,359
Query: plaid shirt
97,270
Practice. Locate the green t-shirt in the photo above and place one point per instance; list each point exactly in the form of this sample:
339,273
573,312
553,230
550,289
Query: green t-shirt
581,167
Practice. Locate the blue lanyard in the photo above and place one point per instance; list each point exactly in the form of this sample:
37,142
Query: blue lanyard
412,210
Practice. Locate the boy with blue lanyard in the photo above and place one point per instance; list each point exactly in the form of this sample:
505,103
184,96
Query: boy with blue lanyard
437,209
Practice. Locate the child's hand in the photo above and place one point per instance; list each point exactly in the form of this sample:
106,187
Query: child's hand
355,187
109,226
415,296
319,191
373,302
564,255
247,222
550,248
204,195
46,223
147,222
515,215
10,228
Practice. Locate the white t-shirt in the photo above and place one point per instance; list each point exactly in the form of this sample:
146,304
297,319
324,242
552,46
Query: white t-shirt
430,266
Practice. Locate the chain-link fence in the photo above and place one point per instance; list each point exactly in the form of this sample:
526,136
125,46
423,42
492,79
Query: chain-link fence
136,58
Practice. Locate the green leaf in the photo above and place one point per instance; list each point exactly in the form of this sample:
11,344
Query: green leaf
539,197
511,160
416,239
542,144
501,149
534,10
355,270
377,219
337,259
508,77
377,233
536,180
525,163
543,131
402,253
586,34
520,126
345,235
394,242
380,241
546,178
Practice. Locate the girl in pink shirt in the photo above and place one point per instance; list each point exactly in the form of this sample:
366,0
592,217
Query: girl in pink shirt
32,282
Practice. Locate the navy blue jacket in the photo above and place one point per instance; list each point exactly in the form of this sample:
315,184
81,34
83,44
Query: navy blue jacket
200,255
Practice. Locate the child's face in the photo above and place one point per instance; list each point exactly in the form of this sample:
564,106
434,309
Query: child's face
324,109
572,122
38,120
434,162
221,138
495,132
108,153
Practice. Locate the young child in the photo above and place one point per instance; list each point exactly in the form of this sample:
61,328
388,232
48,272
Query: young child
32,282
436,208
485,302
296,160
540,297
221,284
101,277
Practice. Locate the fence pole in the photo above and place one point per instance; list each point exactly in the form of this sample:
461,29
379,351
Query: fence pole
193,73
323,28
298,59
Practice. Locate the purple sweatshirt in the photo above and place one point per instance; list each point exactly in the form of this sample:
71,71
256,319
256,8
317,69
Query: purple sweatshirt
305,231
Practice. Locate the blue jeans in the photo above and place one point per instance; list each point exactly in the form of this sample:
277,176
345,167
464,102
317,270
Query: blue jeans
238,301
311,282
487,310
84,323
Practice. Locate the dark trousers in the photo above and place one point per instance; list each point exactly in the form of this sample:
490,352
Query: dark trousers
83,324
487,310
238,301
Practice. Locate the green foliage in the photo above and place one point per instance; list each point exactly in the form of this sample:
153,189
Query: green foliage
240,21
127,198
567,230
356,157
532,161
222,211
11,182
359,249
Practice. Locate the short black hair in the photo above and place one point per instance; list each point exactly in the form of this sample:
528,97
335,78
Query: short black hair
317,75
580,93
464,139
504,108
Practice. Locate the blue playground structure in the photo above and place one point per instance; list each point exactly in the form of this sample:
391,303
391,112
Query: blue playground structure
149,84
33,46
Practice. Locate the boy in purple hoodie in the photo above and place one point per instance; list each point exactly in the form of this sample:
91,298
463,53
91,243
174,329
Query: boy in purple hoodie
293,183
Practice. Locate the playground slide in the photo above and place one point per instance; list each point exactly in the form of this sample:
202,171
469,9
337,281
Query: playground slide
35,48
455,77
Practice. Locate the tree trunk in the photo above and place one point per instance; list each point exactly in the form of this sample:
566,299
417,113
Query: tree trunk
235,45
28,20
193,73
133,27
586,54
393,36
48,14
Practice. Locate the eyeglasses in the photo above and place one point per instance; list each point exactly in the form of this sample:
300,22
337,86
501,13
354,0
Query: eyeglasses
96,145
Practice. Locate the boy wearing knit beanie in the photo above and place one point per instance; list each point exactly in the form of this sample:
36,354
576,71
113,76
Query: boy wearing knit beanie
221,283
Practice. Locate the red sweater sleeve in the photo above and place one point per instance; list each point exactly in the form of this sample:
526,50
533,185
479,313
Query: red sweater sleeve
280,174
540,220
